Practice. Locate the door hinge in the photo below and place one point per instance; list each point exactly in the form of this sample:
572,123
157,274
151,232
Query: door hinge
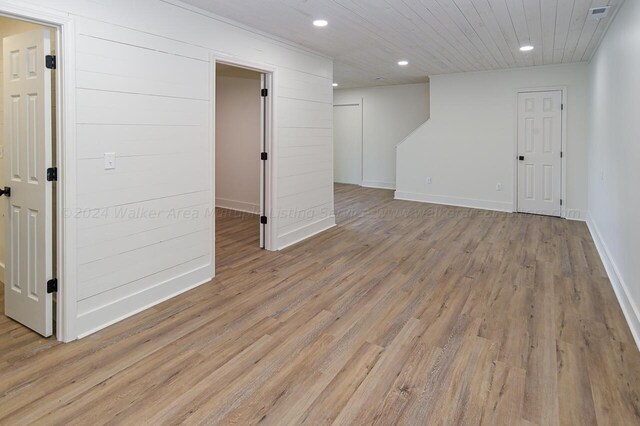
263,220
52,174
561,154
52,285
264,92
50,62
560,201
264,156
561,107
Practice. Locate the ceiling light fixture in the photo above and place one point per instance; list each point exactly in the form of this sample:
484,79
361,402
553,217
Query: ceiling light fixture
403,63
335,84
526,48
320,23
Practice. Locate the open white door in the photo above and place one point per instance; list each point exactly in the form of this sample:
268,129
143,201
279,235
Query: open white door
28,150
264,93
540,153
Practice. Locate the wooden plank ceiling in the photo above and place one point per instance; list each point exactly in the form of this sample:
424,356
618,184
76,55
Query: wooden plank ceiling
366,38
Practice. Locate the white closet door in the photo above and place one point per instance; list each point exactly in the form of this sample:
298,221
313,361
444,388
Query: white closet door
347,143
539,153
27,101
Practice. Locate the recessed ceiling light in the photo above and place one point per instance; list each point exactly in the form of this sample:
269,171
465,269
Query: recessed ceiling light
335,84
320,23
403,63
526,48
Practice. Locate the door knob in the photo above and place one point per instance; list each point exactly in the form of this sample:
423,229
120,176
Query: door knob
6,192
521,158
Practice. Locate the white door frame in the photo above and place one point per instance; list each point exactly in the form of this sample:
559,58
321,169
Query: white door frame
270,184
66,308
563,167
359,103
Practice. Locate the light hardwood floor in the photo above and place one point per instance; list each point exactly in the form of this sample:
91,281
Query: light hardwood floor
404,313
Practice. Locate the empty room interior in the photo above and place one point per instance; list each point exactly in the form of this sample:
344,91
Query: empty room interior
320,212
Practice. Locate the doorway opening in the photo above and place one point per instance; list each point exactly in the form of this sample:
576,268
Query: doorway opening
28,175
348,143
242,138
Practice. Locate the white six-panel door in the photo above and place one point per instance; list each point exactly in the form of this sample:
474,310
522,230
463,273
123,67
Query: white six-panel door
347,143
539,152
27,101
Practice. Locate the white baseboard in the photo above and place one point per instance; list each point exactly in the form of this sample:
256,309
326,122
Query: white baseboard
103,317
240,206
629,308
378,184
577,215
455,201
305,232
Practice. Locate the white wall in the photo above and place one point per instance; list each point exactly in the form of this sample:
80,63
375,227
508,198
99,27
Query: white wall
614,156
238,139
143,83
468,144
389,114
7,27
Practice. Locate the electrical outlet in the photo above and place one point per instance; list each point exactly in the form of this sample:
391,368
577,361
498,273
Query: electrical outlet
109,160
429,180
498,187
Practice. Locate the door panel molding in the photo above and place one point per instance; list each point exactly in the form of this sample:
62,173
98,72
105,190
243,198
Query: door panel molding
27,93
563,134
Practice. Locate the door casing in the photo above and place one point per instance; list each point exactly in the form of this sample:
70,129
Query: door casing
563,133
65,157
268,198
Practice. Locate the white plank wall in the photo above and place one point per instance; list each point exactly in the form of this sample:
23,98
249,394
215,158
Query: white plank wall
143,92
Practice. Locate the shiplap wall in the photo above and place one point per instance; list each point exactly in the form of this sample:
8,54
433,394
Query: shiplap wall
143,92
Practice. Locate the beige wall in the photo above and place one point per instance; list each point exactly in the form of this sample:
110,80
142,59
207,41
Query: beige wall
7,27
237,139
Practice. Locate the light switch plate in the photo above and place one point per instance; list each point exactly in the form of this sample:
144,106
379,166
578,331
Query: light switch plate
109,160
1,152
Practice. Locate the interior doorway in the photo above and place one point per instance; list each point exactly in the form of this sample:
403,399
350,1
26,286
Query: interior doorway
28,174
347,143
241,154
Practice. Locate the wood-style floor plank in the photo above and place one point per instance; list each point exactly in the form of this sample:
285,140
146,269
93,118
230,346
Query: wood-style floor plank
405,313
